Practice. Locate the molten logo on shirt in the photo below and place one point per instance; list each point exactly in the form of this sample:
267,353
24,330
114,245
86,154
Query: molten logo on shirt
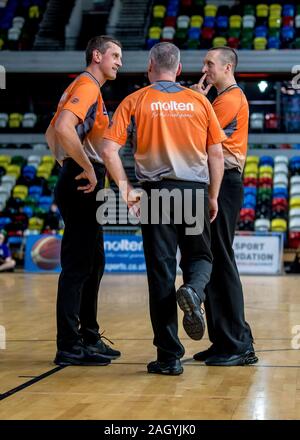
172,105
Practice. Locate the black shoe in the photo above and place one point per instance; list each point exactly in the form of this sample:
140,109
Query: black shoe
230,360
193,320
205,354
103,349
171,368
80,355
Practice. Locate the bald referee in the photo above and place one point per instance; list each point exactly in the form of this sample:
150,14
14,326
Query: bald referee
178,148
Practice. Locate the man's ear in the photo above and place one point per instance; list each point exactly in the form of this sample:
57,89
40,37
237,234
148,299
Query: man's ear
179,70
150,66
229,67
97,56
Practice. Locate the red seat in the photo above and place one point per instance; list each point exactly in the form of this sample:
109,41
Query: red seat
294,240
280,202
247,214
233,42
265,182
250,181
271,121
170,21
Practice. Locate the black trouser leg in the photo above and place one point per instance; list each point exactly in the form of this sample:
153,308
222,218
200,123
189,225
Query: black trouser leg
79,280
224,304
160,246
196,255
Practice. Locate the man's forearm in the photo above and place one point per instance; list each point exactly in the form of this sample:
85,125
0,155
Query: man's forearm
216,170
69,141
216,176
109,152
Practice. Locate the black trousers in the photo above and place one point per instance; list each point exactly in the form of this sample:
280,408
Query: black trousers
82,258
160,247
224,305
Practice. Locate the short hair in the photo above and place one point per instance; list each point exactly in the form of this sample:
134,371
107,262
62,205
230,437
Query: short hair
228,55
101,43
166,57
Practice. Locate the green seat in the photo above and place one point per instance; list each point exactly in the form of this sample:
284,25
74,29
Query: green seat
249,10
234,33
193,44
246,43
273,32
297,43
18,160
247,33
180,36
30,201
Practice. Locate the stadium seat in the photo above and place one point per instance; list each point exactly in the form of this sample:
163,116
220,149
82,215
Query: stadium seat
248,22
14,170
29,120
20,192
15,120
168,33
183,22
3,120
210,10
196,21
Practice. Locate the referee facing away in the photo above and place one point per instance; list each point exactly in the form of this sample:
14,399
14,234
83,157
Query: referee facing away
178,148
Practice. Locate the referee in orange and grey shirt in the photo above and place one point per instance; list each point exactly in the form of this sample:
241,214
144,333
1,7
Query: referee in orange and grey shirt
178,147
230,334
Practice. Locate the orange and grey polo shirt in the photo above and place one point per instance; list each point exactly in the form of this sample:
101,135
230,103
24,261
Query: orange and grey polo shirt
174,126
232,110
83,98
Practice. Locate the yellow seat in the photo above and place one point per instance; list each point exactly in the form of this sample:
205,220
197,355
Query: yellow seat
251,175
155,33
48,160
1,43
219,41
252,159
15,120
35,223
260,43
34,12
235,21
275,22
251,168
210,10
265,175
262,10
275,8
266,169
159,11
196,21
295,202
13,170
279,225
20,192
5,160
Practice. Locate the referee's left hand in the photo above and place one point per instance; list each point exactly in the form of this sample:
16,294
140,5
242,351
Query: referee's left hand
213,209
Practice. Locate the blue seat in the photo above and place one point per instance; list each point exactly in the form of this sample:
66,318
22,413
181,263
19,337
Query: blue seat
209,22
287,33
273,43
29,172
151,42
261,31
288,10
266,160
222,22
280,192
194,34
35,191
250,191
28,211
4,221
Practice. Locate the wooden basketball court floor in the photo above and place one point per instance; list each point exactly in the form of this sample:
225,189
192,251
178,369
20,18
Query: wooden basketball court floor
32,387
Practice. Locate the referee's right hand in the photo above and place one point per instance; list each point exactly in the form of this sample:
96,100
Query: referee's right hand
213,209
92,180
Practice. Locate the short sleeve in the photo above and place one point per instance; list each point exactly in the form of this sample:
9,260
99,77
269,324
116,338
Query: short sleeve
120,123
81,99
215,134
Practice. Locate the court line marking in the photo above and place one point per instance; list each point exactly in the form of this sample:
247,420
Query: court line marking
29,383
